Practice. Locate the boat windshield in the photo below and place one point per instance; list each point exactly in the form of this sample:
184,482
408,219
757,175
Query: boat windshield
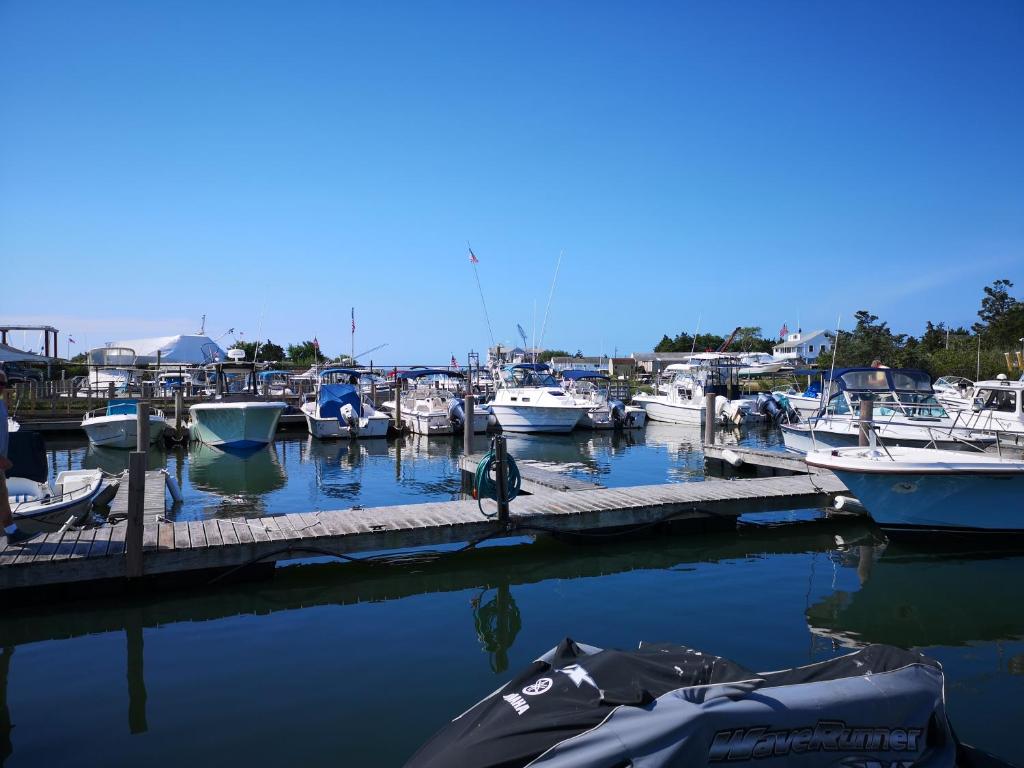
523,377
1003,400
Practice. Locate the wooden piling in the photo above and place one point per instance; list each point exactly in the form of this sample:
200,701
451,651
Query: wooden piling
179,408
136,505
467,427
867,414
501,476
398,404
709,418
110,390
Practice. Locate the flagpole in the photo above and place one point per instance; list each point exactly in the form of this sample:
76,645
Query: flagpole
473,261
352,353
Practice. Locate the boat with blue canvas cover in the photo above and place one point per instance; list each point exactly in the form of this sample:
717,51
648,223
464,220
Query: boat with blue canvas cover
905,412
927,490
116,426
337,408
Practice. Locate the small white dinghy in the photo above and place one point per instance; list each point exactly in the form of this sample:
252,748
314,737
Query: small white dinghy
45,507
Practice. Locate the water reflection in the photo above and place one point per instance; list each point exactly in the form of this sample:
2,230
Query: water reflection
497,620
115,461
913,599
234,474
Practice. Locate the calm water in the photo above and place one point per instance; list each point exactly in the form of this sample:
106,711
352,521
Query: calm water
340,664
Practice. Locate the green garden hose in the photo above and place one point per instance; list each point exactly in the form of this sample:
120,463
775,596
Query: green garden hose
485,485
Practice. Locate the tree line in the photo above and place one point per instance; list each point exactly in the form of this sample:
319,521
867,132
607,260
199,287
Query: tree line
978,351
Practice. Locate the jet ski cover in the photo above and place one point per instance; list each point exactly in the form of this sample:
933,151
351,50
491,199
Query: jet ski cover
669,705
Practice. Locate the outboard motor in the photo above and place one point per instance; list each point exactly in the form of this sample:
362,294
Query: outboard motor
351,418
617,411
456,412
790,413
769,407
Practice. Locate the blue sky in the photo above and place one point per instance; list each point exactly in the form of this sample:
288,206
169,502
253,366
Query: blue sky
273,164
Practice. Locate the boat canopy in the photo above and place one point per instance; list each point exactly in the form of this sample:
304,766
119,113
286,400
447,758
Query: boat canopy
883,379
271,374
122,406
528,367
331,397
574,374
417,373
328,372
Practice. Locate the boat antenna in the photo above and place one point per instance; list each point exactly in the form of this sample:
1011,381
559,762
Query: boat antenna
551,294
473,260
259,333
202,326
693,346
835,350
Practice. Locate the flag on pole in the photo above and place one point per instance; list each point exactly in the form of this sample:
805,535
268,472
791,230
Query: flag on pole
454,363
353,319
783,331
472,257
316,344
71,340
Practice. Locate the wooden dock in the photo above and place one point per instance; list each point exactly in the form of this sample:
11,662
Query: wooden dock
534,479
155,499
95,554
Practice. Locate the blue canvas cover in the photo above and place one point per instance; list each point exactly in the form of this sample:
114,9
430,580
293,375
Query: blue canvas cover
121,406
332,397
574,374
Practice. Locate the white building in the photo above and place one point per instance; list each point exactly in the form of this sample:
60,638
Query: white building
804,346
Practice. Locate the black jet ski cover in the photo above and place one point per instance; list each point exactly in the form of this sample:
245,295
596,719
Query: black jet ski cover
669,705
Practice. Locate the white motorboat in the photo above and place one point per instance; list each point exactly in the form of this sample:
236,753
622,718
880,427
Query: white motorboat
806,401
433,405
760,363
45,507
238,424
110,367
927,490
116,426
905,412
528,399
591,388
338,409
275,383
956,393
705,373
996,405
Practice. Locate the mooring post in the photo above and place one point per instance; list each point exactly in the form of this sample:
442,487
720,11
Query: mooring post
398,403
179,408
110,390
709,418
501,477
467,426
867,414
137,464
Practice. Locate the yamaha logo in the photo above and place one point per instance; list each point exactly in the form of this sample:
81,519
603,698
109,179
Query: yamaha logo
539,687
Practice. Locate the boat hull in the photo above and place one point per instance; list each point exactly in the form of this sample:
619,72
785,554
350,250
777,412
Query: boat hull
235,425
673,413
36,516
798,439
908,503
333,429
523,418
440,424
120,431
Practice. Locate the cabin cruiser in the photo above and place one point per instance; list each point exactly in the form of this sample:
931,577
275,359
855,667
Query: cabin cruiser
760,363
529,399
996,405
116,426
927,490
275,383
954,392
704,374
664,704
433,406
905,412
236,418
337,407
110,366
46,507
591,388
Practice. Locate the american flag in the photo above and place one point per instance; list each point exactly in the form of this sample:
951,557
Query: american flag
472,257
71,340
783,331
353,319
454,363
316,344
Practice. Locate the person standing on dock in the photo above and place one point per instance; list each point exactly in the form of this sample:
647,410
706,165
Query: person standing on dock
6,517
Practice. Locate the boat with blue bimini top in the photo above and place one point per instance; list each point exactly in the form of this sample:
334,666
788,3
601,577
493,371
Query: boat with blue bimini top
664,705
592,389
434,403
116,425
905,412
527,398
928,491
337,408
236,419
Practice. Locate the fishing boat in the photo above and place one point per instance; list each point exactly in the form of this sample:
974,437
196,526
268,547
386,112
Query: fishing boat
705,373
44,507
995,405
110,367
665,705
761,363
529,399
275,383
592,389
116,425
433,404
235,419
956,393
905,412
927,490
337,407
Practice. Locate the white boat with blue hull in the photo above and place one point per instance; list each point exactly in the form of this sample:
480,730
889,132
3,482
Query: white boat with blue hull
116,426
528,399
337,408
927,490
904,412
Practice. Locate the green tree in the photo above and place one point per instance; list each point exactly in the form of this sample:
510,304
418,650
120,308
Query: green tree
547,354
268,351
1002,317
306,353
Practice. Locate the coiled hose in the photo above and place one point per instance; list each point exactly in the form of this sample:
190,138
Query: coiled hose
486,486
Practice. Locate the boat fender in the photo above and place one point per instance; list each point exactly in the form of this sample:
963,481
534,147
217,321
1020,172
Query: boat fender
732,458
849,504
172,487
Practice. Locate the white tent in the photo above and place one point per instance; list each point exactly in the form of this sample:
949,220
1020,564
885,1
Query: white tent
181,350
